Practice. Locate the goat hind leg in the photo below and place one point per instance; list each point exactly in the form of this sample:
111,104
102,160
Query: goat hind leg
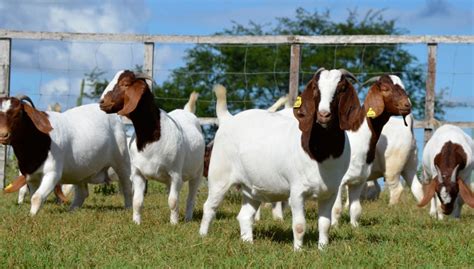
193,190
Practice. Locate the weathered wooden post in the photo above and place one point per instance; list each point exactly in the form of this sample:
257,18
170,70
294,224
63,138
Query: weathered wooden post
148,69
5,60
430,92
294,73
149,57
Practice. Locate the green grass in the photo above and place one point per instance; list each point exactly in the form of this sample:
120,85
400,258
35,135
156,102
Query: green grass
102,234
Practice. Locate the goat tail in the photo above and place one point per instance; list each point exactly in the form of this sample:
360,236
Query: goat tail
280,102
191,104
221,105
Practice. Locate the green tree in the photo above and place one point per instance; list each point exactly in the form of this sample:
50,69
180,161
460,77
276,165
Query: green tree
256,75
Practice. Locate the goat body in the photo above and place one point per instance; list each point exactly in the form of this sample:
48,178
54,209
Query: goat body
167,147
80,143
447,167
273,157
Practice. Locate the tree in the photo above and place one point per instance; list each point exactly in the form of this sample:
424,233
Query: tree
257,75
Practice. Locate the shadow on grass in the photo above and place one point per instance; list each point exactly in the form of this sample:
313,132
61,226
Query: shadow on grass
220,215
284,235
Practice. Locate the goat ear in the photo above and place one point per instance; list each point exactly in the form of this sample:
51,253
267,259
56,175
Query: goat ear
348,105
39,118
305,107
374,102
132,96
429,193
19,182
466,193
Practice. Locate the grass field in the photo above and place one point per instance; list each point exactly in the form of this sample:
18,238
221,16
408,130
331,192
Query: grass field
101,234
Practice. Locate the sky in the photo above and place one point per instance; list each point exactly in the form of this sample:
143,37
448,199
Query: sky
51,71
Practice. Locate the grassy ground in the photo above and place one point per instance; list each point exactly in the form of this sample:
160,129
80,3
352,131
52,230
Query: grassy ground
101,234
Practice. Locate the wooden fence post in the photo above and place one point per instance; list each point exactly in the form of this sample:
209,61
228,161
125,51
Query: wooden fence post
148,69
5,60
149,57
294,73
430,92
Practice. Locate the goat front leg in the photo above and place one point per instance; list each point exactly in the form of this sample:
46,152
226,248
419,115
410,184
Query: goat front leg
173,197
296,202
81,192
355,209
336,210
47,185
324,220
139,183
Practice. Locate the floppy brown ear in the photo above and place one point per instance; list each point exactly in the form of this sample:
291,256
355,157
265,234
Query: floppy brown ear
19,182
466,193
305,107
132,96
348,105
39,118
429,192
374,102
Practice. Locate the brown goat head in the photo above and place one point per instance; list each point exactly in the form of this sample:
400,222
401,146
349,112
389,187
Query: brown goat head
14,114
123,93
327,94
387,95
447,185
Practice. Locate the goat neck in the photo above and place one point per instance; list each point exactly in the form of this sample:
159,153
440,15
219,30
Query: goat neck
30,146
146,121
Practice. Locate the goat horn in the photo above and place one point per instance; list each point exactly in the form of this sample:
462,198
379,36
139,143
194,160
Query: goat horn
371,80
348,74
453,175
145,76
321,69
25,98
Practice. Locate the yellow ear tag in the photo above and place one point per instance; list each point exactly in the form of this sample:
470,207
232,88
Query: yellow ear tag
8,187
371,113
298,102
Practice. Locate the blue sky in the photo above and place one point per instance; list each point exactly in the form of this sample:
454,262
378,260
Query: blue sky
51,71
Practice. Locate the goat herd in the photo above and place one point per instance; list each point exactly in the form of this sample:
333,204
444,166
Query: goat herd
328,141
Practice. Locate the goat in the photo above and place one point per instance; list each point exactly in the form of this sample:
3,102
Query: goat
274,157
168,147
385,98
395,155
67,148
447,166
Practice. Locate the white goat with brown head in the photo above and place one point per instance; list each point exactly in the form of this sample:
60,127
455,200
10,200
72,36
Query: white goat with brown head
273,157
168,147
447,166
68,148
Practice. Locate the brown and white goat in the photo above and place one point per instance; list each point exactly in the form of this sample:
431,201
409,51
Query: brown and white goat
385,98
447,167
168,147
274,157
69,147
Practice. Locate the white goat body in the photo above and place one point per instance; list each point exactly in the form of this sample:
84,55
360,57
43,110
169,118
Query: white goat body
447,166
84,142
395,155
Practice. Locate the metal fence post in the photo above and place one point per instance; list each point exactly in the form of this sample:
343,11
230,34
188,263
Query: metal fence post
294,73
430,92
5,60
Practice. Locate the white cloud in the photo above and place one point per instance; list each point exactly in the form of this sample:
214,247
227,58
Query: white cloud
66,62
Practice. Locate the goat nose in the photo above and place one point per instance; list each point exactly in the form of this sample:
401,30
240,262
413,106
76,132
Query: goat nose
324,114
